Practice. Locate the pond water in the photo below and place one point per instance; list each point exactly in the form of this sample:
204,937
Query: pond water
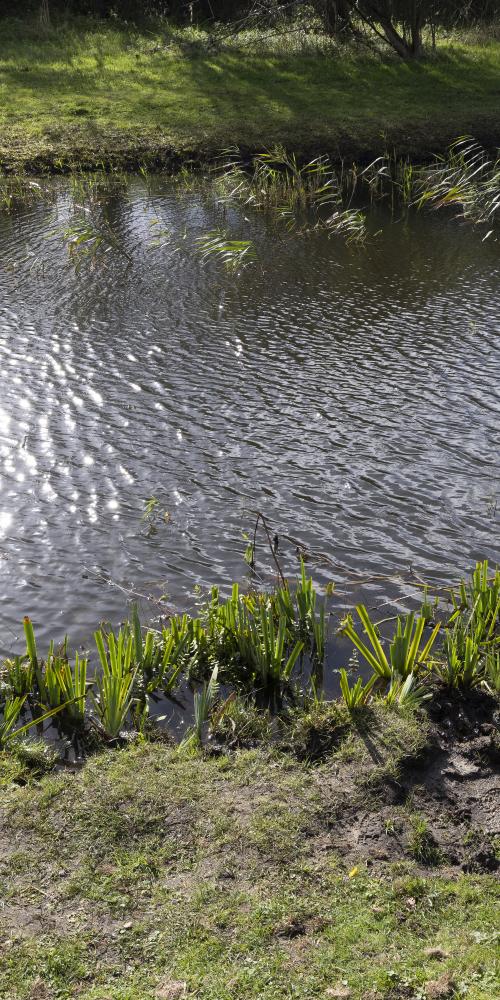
351,394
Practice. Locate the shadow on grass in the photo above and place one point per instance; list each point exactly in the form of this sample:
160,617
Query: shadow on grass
101,78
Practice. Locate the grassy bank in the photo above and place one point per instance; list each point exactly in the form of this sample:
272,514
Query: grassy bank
88,93
289,846
155,875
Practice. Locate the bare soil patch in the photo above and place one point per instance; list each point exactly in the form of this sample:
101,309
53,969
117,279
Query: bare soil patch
442,808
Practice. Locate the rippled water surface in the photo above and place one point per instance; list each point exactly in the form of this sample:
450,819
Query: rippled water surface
352,395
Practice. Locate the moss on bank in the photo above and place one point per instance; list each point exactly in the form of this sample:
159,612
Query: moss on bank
152,874
86,94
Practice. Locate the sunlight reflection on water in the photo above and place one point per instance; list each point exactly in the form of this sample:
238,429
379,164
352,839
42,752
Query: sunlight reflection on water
351,395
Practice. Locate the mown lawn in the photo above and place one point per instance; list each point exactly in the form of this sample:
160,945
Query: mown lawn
87,92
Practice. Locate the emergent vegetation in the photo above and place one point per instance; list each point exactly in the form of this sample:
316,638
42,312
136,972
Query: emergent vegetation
269,648
296,198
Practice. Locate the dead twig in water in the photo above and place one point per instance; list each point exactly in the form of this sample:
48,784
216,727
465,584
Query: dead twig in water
273,545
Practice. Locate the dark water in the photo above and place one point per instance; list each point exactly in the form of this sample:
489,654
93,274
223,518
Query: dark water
352,395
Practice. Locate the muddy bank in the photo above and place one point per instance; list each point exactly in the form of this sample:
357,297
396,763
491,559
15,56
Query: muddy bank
441,806
131,153
376,789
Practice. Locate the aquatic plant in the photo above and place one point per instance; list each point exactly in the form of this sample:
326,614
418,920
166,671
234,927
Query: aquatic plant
390,176
257,638
299,605
318,628
359,694
235,255
406,654
155,660
464,665
472,633
31,649
18,191
58,684
187,650
87,237
9,716
303,197
262,654
91,233
219,622
115,685
492,671
153,516
18,675
118,658
269,648
428,610
298,197
466,178
113,701
203,703
264,648
229,631
406,692
160,656
480,596
64,683
163,661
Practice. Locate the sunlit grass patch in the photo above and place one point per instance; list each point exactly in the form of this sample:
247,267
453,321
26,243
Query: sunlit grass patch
237,897
86,93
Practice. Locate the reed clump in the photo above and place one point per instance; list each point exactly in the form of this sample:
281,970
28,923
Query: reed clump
250,659
303,196
465,180
296,199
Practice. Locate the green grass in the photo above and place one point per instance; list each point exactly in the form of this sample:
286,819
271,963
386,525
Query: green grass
150,869
86,93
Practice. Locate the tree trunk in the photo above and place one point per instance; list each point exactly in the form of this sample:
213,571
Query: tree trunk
394,38
44,13
376,15
416,30
335,14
